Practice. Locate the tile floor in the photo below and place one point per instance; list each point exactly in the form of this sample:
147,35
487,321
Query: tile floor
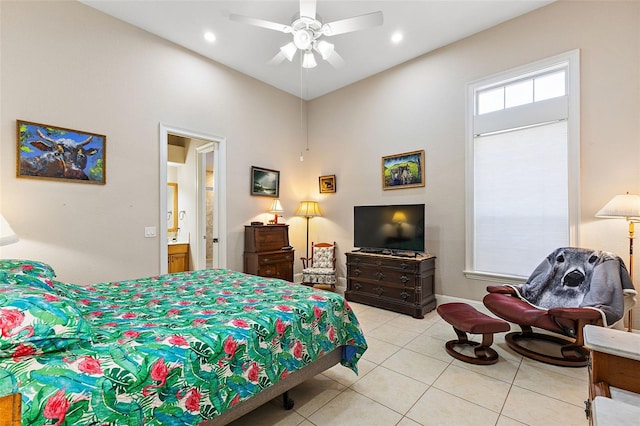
407,379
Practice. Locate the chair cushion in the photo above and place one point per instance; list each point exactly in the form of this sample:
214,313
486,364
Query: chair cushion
322,257
520,312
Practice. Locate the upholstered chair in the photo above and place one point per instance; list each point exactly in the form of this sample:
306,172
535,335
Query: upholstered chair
319,270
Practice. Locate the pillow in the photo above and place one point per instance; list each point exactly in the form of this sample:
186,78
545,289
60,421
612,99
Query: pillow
33,321
29,272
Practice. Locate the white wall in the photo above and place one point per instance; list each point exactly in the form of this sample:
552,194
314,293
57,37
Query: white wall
421,105
65,64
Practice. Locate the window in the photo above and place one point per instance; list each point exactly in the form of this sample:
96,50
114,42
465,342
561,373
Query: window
522,167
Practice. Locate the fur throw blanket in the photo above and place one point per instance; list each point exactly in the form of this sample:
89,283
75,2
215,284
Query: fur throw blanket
577,277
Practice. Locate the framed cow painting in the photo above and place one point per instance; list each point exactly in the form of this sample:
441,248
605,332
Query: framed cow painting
50,152
404,170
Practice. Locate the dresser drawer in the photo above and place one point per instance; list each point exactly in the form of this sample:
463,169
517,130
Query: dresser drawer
267,259
384,263
383,290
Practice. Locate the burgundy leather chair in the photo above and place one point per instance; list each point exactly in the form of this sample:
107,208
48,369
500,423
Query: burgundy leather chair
601,275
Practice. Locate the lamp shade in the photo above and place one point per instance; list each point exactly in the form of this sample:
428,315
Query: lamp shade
276,207
309,60
308,209
7,236
621,206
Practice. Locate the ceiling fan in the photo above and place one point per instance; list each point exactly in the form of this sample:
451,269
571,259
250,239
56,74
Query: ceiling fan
308,33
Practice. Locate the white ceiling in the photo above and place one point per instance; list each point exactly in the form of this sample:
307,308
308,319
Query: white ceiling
425,24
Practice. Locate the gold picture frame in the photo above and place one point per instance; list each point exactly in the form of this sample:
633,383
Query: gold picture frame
404,170
327,184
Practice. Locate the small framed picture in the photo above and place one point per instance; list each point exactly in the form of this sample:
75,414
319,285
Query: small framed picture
327,183
404,170
57,153
265,182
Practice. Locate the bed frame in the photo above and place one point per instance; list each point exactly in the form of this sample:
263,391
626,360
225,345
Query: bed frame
281,388
10,405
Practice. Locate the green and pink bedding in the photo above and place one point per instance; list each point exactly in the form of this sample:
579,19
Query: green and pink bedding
171,349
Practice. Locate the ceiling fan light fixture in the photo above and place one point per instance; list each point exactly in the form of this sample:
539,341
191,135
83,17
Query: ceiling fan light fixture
303,39
309,60
326,49
289,50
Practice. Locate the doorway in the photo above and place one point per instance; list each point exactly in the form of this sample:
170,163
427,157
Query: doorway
192,197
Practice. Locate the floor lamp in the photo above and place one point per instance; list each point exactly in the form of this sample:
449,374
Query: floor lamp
626,207
308,209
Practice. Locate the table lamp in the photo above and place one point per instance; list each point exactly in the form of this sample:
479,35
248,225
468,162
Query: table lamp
276,208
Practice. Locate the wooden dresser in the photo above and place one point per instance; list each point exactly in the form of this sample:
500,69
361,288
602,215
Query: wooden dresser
263,253
178,258
399,284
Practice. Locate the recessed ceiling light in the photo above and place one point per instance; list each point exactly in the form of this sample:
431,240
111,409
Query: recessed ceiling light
396,37
209,36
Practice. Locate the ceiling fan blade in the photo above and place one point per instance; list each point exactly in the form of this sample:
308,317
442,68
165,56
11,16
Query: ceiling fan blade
277,59
356,23
260,23
308,8
335,60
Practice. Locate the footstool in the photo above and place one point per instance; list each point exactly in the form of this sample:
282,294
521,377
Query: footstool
466,319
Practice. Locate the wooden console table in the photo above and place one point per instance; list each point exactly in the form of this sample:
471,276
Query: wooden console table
399,284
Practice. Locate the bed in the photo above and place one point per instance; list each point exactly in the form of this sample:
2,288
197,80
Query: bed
186,348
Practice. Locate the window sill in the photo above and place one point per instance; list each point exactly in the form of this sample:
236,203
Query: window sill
495,278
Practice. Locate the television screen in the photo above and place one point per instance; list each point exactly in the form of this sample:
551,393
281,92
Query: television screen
395,227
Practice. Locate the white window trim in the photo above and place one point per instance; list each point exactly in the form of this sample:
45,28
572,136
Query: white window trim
572,58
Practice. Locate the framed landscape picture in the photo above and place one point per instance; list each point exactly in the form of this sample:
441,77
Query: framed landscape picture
265,182
327,183
51,152
404,170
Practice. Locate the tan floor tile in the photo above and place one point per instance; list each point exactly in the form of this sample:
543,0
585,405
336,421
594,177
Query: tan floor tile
347,377
477,388
417,366
390,389
441,330
440,408
353,409
379,350
506,421
535,409
269,414
505,369
406,421
394,335
431,346
581,373
314,393
552,384
407,322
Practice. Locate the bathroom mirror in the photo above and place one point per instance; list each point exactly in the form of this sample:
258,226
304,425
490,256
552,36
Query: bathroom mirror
172,207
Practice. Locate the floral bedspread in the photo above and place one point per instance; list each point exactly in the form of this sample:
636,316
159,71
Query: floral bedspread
175,349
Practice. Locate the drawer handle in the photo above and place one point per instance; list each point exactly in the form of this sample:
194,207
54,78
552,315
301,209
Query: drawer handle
404,265
357,286
378,263
379,290
404,279
405,295
379,275
357,272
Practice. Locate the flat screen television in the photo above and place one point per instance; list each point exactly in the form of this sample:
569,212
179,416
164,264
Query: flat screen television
394,228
